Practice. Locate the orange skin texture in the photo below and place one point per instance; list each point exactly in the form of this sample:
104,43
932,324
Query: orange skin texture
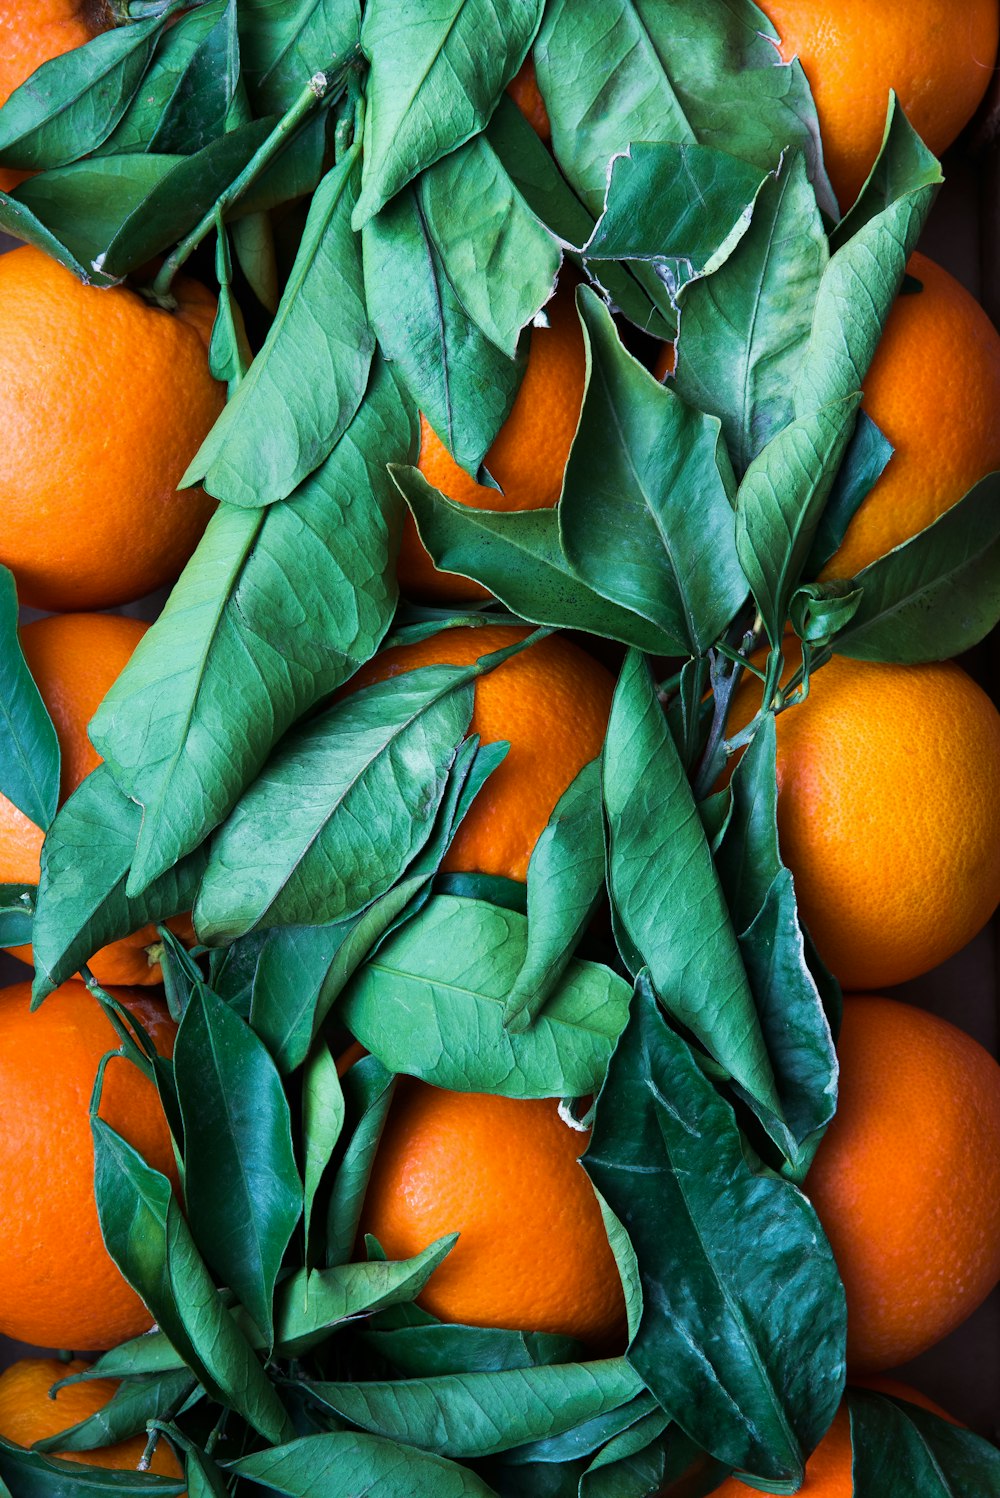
527,458
551,703
523,89
944,428
28,1414
104,400
888,813
937,56
58,1285
33,32
907,1180
505,1174
74,659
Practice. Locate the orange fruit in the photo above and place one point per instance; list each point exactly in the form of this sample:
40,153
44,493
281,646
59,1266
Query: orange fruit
937,56
58,1285
33,32
28,1414
550,703
104,399
666,361
527,458
523,89
74,659
907,1179
888,813
505,1174
943,426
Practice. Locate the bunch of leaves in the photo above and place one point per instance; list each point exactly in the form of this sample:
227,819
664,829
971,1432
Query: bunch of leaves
386,230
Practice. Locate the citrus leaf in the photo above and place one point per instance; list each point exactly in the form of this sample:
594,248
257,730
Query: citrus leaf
479,1414
430,1003
646,1459
565,883
636,70
745,329
901,1449
82,902
322,1121
645,514
665,889
306,383
284,42
780,501
501,261
867,454
436,74
33,1475
368,1089
29,748
146,1235
743,1328
340,810
462,382
17,903
342,1464
135,1401
936,595
588,1435
70,104
277,609
438,1348
519,556
241,1183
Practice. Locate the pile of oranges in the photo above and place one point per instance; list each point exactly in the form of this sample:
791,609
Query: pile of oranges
889,788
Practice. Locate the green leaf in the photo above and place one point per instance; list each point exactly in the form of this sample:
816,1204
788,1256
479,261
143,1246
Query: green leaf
743,1328
70,104
135,1401
368,1089
645,515
32,1475
637,70
646,1459
241,1184
519,556
431,1001
146,1235
284,42
276,609
565,883
936,595
462,382
745,329
665,890
323,1116
499,258
904,165
436,75
306,383
818,611
761,897
901,1449
780,501
586,1437
867,454
341,808
29,748
438,1348
82,901
229,351
479,1414
17,903
344,1464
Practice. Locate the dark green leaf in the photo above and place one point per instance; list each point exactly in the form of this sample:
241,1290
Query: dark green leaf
744,330
345,1464
592,1432
322,1121
818,611
430,1003
368,1089
29,749
133,1403
904,165
241,1184
306,383
82,899
32,1475
229,352
780,501
519,557
665,889
900,1449
276,609
743,1329
565,883
478,1414
147,1237
638,70
645,515
17,904
284,42
936,595
867,454
646,1459
70,104
462,382
438,1348
435,78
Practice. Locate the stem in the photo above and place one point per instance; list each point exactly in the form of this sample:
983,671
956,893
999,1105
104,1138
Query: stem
314,93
